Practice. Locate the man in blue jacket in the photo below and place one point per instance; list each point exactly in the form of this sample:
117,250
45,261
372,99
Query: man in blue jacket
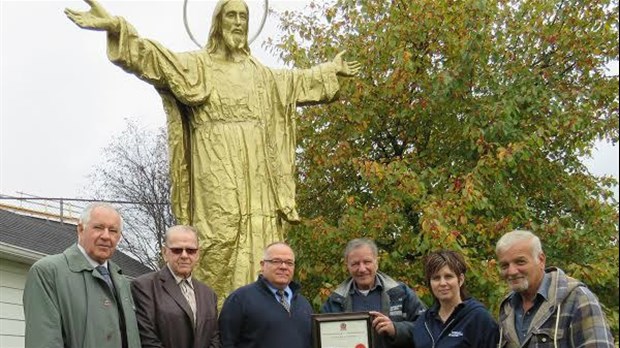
393,305
269,313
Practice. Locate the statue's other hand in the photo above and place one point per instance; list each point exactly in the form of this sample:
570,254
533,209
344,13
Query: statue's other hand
346,68
95,19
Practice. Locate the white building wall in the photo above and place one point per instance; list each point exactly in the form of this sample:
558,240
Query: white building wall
12,280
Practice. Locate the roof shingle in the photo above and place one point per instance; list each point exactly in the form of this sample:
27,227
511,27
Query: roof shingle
53,237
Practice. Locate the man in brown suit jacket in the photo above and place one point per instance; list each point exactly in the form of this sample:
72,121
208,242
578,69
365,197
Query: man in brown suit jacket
173,309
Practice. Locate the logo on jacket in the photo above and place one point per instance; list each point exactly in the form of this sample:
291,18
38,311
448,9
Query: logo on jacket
456,334
397,311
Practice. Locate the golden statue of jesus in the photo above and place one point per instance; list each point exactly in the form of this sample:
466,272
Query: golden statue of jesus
231,134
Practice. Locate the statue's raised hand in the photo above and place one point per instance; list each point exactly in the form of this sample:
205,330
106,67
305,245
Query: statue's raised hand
346,68
95,19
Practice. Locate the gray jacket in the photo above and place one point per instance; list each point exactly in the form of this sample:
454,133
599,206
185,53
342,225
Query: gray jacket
67,303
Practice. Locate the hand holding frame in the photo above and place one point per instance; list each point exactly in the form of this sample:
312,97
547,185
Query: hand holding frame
383,324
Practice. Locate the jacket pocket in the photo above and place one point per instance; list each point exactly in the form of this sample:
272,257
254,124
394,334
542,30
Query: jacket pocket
545,337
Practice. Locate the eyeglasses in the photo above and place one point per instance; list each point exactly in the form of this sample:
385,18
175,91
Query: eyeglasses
279,262
179,251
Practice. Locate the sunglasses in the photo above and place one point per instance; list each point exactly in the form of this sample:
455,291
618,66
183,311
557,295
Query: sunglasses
179,251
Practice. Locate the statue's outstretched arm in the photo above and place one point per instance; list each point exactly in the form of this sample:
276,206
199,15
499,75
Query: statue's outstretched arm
346,68
95,19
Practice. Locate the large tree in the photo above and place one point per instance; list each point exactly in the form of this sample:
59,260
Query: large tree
134,174
471,118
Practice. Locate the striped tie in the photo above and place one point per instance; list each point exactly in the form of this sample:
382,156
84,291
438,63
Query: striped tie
283,302
106,276
190,296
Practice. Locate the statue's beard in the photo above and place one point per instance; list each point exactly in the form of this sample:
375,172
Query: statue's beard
235,42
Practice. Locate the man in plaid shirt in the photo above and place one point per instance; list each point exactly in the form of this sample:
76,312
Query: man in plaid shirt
546,308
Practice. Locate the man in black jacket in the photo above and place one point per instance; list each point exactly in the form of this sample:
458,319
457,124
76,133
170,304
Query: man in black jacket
269,313
393,305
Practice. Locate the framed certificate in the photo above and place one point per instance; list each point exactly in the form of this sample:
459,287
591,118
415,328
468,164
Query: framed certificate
342,330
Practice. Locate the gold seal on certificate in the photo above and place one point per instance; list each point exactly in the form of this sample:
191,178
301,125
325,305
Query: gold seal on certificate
342,330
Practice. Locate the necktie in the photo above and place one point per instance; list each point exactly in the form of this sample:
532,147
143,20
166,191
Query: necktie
283,302
188,292
106,276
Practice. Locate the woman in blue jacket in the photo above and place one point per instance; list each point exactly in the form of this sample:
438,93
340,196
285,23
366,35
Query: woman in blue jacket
455,319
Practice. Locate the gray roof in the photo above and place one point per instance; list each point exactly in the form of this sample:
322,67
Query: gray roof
52,237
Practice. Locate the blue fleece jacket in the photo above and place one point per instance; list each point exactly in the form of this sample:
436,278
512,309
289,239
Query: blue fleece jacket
470,325
251,317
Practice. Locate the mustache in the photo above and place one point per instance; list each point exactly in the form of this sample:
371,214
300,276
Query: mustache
515,277
235,41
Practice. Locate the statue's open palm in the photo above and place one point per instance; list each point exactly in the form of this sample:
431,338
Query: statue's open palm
96,19
346,68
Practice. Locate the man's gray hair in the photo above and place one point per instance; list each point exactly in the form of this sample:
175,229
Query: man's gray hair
87,212
358,243
185,228
513,237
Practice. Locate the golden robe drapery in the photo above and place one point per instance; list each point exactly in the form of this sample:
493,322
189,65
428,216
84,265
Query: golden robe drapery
231,133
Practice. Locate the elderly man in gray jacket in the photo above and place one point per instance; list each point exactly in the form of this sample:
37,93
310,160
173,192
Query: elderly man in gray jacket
80,298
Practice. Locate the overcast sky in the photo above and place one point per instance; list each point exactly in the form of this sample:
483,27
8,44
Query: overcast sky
62,100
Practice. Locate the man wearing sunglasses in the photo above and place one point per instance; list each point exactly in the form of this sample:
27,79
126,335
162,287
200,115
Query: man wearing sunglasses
173,308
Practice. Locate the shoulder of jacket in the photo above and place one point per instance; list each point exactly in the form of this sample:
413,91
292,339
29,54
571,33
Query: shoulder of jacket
342,290
114,267
476,307
147,277
390,284
562,286
50,262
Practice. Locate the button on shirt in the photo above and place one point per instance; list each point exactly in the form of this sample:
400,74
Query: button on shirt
523,321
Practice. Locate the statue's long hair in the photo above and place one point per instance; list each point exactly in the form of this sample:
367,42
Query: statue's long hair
216,38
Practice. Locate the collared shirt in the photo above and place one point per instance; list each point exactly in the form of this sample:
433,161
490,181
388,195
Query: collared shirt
363,301
90,260
523,321
436,325
287,292
366,292
178,279
187,289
